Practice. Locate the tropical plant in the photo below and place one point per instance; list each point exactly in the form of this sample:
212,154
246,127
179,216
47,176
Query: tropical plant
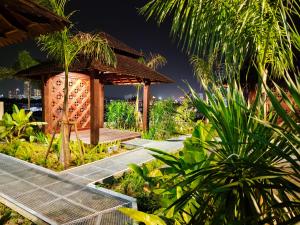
242,34
185,117
17,125
25,61
250,174
262,31
65,47
162,123
154,61
9,217
121,115
161,181
287,107
147,219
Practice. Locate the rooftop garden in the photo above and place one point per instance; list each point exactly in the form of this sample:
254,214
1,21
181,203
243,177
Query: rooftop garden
240,163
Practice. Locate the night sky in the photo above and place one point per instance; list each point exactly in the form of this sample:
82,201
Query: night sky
119,18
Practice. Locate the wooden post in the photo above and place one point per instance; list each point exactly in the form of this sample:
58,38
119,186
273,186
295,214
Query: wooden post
95,110
146,103
45,105
101,105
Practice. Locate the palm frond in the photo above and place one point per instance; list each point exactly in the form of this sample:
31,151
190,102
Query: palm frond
92,46
155,61
256,31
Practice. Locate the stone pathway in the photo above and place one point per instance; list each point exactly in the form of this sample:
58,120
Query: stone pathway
70,197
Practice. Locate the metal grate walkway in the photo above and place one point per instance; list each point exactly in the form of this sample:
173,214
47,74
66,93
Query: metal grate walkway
68,197
57,199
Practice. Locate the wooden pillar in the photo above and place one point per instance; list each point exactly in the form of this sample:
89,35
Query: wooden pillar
146,104
95,110
46,105
101,105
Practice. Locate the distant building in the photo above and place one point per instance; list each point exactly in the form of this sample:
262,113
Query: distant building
10,95
27,91
37,93
17,92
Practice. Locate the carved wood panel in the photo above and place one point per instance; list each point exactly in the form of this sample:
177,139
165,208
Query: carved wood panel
78,100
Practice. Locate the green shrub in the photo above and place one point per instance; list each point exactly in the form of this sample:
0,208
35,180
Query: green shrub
162,123
18,125
185,117
121,115
133,184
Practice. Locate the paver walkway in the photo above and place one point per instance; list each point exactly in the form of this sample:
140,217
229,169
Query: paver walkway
69,197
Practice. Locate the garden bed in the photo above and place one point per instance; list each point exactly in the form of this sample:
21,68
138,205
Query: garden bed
36,153
132,184
10,217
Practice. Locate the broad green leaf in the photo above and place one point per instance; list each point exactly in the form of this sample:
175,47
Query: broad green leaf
148,219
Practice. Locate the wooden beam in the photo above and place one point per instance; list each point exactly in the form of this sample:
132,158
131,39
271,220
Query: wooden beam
101,104
95,110
146,104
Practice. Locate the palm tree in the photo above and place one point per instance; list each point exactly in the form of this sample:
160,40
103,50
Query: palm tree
65,48
25,61
206,71
154,61
259,33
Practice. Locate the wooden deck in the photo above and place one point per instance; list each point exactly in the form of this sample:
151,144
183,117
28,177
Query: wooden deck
107,135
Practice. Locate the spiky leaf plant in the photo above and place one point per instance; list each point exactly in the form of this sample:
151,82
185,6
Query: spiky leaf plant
252,173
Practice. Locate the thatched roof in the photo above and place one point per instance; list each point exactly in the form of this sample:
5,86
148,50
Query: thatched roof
22,19
128,70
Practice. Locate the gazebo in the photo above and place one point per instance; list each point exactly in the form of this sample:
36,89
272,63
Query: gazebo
22,19
86,87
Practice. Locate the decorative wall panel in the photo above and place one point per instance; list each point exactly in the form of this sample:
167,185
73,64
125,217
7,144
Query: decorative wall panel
79,100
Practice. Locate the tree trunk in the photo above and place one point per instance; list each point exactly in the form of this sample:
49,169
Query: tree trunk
137,104
65,154
29,95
